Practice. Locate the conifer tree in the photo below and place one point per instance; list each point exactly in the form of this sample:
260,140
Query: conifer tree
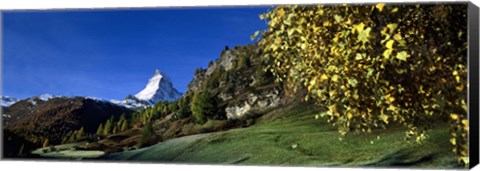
108,126
20,152
147,134
124,126
120,121
64,139
80,133
100,129
72,138
203,105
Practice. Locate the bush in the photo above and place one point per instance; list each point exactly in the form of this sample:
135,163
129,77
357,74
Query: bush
52,148
214,79
243,62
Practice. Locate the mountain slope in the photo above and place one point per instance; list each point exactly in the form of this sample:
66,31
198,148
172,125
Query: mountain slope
159,88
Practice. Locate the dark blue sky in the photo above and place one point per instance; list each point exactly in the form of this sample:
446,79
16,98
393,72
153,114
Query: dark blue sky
112,53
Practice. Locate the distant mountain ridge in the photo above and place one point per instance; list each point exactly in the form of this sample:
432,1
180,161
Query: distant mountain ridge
158,88
8,101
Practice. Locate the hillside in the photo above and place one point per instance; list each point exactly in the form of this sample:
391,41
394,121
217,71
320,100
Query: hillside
291,136
55,119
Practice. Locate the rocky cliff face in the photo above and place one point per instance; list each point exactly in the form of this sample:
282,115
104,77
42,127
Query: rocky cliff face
255,103
197,80
236,77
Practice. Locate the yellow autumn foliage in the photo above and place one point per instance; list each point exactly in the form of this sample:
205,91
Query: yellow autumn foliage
371,66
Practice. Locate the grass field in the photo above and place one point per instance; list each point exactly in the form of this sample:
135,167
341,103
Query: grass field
68,151
292,137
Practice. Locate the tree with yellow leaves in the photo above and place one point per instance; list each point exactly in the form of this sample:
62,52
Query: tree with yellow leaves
371,66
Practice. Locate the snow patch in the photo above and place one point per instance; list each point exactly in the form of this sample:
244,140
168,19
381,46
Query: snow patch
124,103
32,101
45,97
128,103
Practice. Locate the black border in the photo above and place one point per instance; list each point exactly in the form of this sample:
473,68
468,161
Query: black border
473,54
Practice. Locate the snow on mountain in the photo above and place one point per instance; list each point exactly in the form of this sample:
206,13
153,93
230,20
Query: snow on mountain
159,88
8,101
124,103
115,102
46,97
128,103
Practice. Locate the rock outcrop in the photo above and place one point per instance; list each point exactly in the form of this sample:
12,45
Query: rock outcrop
238,79
255,103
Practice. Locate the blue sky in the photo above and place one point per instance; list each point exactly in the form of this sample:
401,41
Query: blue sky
112,53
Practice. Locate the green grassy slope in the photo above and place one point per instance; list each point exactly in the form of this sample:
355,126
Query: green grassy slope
293,137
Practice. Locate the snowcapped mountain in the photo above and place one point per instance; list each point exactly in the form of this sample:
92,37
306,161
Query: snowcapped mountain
8,101
159,88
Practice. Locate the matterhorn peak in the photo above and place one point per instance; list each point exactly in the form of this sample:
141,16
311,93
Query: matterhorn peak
159,88
157,72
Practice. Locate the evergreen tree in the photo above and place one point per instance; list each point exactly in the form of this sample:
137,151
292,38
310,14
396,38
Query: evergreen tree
124,126
172,107
20,152
100,129
80,133
184,107
108,126
64,139
147,134
118,124
72,138
203,105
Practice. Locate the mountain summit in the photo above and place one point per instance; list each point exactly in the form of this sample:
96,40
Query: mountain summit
159,88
